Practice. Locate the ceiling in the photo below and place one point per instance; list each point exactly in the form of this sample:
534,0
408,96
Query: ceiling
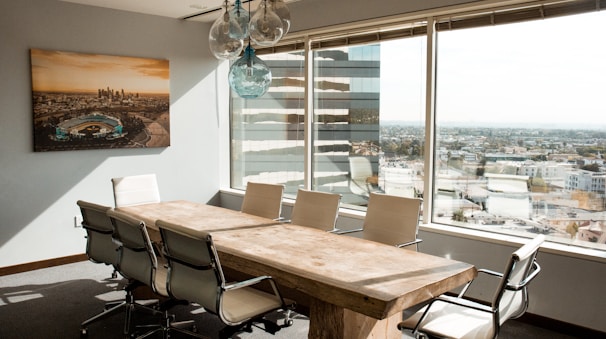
194,10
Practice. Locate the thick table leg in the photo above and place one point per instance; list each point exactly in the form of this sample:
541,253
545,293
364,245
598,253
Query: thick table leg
327,321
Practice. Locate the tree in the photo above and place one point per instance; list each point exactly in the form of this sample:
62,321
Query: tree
572,229
458,215
481,168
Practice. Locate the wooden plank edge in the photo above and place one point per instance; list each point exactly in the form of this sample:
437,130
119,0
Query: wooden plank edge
7,270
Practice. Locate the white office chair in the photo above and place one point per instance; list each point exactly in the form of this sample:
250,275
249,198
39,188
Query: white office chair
195,274
135,190
391,220
316,209
139,263
458,317
100,249
263,200
360,170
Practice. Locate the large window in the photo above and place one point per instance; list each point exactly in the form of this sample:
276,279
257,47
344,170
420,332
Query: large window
368,119
519,134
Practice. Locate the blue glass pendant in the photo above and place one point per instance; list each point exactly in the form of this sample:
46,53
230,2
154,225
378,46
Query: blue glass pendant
249,76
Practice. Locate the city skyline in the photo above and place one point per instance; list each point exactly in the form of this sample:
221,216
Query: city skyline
70,72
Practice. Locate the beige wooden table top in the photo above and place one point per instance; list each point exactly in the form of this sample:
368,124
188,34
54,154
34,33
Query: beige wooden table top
370,278
195,216
367,277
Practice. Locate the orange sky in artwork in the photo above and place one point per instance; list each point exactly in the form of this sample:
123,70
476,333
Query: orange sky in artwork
76,72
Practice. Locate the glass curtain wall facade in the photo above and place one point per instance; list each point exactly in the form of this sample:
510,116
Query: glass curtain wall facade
267,133
519,133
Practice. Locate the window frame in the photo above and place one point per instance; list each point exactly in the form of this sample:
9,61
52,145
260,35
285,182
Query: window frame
407,26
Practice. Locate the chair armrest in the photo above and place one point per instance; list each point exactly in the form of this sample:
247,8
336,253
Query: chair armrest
245,283
536,269
451,300
481,270
349,231
489,272
465,303
416,241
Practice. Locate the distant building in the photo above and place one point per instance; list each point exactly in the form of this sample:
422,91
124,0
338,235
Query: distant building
586,181
594,232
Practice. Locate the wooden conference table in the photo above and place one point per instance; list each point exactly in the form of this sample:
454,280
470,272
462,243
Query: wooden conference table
357,288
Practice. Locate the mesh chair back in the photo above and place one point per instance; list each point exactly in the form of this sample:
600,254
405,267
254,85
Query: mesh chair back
263,200
100,247
194,270
391,219
135,190
316,209
511,298
137,260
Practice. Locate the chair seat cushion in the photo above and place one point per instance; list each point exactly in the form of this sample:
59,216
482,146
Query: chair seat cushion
453,321
241,304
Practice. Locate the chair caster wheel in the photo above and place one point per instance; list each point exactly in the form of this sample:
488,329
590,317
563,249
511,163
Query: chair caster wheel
83,333
288,322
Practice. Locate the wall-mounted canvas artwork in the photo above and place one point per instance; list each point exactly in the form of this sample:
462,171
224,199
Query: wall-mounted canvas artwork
93,101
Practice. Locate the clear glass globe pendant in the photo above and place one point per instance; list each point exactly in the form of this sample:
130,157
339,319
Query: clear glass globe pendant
282,11
249,76
222,44
265,26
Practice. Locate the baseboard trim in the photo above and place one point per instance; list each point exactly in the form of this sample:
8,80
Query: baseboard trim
42,264
560,326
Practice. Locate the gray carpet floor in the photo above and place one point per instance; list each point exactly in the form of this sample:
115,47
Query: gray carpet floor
52,302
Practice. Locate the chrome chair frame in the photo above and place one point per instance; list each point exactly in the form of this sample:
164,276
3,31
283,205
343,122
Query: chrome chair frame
510,300
193,261
100,238
140,264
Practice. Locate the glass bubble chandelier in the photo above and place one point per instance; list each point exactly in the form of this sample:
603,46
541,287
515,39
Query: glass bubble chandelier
266,27
222,44
249,76
283,13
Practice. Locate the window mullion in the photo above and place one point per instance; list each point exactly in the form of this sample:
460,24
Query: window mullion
309,116
430,130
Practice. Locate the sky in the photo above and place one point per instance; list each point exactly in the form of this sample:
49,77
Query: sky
75,72
546,71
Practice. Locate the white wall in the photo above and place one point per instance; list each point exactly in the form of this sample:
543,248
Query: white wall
39,190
